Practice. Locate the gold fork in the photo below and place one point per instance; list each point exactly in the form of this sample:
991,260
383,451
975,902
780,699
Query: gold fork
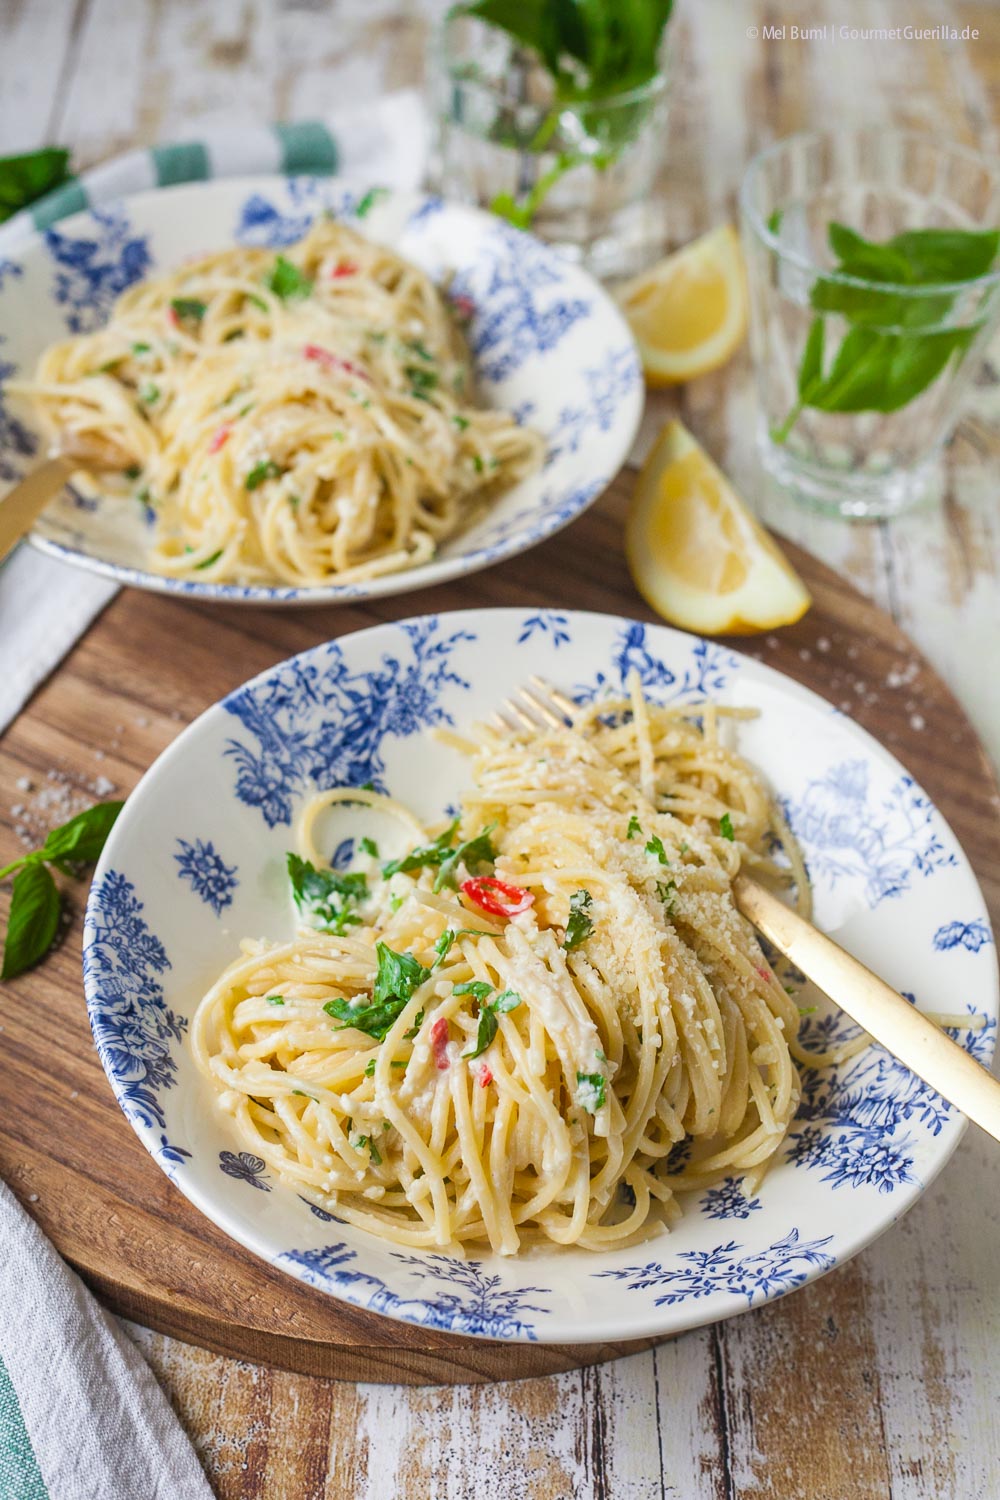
923,1047
24,503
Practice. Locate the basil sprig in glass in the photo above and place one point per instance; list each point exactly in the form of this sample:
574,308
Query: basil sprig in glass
872,260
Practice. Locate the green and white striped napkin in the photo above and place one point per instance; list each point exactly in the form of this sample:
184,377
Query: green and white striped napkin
46,606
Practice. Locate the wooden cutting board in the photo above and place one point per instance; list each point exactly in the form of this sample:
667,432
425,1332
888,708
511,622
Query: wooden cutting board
147,667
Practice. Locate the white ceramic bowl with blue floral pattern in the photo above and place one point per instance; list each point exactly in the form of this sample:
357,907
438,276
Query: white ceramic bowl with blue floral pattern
547,344
197,860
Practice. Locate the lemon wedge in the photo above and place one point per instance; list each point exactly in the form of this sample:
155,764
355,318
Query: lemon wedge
689,311
697,555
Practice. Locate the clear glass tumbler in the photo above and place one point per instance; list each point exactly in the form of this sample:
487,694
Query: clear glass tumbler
576,172
861,372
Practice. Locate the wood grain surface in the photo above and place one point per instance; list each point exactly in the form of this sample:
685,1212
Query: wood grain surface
878,1381
150,664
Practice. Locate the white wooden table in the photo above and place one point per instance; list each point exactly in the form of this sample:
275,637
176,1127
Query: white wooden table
723,1412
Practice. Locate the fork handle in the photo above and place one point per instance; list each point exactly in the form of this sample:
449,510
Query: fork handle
22,506
876,1006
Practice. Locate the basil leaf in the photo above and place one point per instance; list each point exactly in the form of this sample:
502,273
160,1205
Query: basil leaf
286,281
27,177
579,926
33,920
399,974
324,897
374,1019
478,988
591,1093
508,1000
84,836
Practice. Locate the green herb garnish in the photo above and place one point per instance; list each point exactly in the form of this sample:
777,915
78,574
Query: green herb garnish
266,469
473,853
654,846
506,1001
398,976
590,1094
208,561
36,905
149,393
275,999
417,1023
373,1151
634,828
368,846
189,308
286,281
370,1068
478,988
579,926
726,827
325,897
368,201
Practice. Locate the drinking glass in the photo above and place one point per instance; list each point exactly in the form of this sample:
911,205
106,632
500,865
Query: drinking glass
577,173
860,378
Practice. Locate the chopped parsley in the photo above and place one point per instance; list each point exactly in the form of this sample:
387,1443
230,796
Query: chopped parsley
138,349
579,926
506,1001
726,827
149,393
422,381
446,856
368,846
399,975
667,893
133,471
275,999
633,827
591,1091
257,301
373,1151
325,897
460,422
655,847
208,561
417,1023
477,463
370,1068
191,308
368,201
420,350
266,469
478,988
286,281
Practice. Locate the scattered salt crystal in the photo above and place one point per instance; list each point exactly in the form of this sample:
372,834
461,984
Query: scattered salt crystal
142,721
102,786
805,655
98,754
823,644
23,784
917,721
74,1093
772,641
846,706
852,652
175,714
860,687
32,1197
119,729
17,811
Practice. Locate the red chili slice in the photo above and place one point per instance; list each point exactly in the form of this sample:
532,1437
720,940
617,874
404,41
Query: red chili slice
330,361
464,306
344,268
497,897
173,317
439,1042
485,1077
220,436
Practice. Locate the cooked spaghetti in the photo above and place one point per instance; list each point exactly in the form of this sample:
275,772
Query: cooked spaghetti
305,417
543,1022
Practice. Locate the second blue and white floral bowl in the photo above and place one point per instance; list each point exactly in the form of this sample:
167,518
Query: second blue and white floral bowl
547,344
197,858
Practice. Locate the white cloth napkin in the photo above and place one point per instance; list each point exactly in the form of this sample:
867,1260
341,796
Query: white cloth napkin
81,1415
45,606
